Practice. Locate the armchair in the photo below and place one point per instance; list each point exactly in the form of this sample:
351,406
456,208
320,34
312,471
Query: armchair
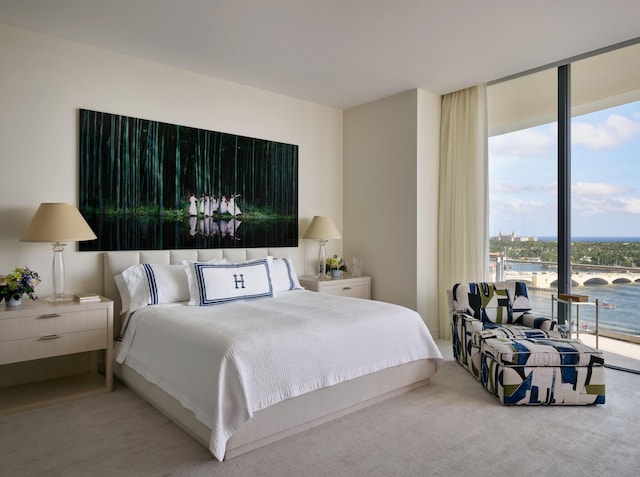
484,310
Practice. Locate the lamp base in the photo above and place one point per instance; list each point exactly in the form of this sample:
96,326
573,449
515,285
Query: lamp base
322,275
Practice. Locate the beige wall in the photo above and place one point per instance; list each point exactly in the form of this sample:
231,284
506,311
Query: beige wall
45,81
390,204
428,169
387,190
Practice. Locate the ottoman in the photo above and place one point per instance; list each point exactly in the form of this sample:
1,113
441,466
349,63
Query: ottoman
535,371
510,332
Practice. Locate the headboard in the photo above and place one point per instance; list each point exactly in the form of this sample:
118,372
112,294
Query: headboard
116,262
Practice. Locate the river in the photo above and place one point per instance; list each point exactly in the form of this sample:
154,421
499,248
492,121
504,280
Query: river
623,318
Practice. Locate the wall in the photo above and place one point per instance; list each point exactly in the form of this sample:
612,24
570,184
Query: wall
427,178
390,199
45,81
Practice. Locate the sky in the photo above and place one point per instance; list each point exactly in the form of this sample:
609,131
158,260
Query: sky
605,177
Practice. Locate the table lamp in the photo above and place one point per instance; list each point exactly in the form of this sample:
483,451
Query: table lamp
57,223
321,229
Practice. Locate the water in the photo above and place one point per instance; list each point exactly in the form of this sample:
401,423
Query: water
624,318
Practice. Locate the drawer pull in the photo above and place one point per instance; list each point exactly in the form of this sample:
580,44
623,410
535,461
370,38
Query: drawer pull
49,337
50,315
346,288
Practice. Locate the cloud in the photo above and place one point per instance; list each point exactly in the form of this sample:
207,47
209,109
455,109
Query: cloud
614,130
597,189
630,204
526,142
520,187
596,198
587,206
520,208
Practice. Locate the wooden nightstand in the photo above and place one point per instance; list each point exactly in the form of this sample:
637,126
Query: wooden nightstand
358,287
37,337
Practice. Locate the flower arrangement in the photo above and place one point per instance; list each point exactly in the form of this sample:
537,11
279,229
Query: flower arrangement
19,282
335,263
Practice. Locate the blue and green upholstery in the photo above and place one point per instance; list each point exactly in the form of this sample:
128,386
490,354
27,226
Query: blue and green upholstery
519,357
542,371
502,307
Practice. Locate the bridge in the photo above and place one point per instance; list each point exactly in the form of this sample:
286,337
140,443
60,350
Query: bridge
550,279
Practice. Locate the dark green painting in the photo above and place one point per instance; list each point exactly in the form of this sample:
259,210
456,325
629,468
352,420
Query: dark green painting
148,185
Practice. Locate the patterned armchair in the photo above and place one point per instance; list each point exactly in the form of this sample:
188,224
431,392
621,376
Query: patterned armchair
492,310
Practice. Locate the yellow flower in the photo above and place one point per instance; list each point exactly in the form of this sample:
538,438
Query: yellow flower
336,263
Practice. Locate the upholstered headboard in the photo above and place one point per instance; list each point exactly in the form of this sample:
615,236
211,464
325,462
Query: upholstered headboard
116,262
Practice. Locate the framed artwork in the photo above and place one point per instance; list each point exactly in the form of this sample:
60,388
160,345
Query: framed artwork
148,185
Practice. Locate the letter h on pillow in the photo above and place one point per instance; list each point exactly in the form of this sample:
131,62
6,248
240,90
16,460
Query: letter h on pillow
211,284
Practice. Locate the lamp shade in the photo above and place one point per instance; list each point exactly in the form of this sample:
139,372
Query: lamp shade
322,228
57,222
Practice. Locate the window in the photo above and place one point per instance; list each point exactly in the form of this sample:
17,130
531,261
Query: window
605,201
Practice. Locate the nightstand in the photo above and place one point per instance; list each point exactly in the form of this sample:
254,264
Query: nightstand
37,339
346,285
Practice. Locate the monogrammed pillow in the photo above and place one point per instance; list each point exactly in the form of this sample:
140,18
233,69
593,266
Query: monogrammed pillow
212,284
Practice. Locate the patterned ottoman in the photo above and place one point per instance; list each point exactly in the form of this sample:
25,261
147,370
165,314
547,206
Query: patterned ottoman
510,332
542,371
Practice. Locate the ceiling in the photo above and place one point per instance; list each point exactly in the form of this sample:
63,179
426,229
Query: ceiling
340,53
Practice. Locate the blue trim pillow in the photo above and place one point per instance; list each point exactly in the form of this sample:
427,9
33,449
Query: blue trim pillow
213,284
151,284
283,275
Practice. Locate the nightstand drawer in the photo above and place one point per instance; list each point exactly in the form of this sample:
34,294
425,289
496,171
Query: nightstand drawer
356,287
356,291
47,345
52,323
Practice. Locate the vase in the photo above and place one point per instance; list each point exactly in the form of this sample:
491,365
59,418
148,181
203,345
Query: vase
356,267
15,300
335,273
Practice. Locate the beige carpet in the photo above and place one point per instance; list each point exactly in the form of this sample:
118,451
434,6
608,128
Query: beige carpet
449,427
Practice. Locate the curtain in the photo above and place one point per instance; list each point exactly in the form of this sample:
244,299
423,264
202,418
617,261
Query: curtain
463,242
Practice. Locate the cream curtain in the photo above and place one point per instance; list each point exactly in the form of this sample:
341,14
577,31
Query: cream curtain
463,242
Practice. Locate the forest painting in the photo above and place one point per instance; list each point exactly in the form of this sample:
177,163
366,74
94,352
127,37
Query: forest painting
147,185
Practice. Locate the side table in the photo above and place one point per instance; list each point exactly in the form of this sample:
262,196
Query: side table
577,300
35,333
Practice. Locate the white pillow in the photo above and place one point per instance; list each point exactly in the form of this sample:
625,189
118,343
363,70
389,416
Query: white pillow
124,293
283,275
151,284
212,284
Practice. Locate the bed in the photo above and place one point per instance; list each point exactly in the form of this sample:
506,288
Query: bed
270,381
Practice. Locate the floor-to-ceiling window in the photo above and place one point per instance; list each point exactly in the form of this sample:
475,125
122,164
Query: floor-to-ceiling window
605,201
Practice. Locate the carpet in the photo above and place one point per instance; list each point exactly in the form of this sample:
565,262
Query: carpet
449,427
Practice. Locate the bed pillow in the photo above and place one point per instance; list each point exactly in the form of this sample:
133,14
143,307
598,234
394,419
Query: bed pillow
151,284
213,284
124,293
283,275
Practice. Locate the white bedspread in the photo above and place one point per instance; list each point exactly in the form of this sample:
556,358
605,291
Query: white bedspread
226,362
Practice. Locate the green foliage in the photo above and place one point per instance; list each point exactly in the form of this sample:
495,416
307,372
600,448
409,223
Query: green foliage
620,254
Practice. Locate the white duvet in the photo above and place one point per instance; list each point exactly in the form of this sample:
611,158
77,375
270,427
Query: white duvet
228,361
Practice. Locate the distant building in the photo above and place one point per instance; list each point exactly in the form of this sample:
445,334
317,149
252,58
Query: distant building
514,238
